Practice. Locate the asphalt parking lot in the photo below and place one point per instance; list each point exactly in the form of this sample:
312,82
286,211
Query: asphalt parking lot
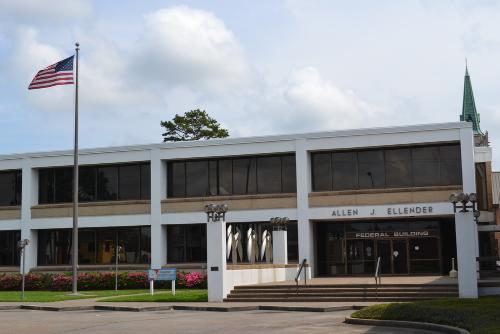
45,322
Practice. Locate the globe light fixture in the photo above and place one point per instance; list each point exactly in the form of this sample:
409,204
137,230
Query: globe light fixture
461,202
216,212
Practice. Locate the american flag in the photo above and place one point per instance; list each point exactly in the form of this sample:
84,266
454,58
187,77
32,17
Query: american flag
60,73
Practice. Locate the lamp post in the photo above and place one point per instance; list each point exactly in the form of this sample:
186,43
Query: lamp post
216,253
466,218
117,258
21,245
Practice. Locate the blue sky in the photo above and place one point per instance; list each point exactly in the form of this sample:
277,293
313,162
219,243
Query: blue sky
259,67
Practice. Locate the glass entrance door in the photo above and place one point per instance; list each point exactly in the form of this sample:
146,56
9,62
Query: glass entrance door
384,252
393,256
399,257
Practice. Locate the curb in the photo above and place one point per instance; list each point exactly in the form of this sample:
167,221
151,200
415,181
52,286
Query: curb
182,308
304,308
407,324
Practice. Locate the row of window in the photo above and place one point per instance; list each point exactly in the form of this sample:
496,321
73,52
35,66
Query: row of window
387,168
333,170
232,176
96,246
103,183
10,188
188,243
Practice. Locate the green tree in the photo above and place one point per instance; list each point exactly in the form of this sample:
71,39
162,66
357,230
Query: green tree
193,125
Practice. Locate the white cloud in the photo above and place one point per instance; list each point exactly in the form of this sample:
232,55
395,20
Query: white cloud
180,45
44,10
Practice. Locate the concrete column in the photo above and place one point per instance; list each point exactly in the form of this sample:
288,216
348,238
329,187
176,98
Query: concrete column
158,192
280,247
216,261
29,197
304,226
466,254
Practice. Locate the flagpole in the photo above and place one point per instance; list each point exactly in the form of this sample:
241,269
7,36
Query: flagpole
75,185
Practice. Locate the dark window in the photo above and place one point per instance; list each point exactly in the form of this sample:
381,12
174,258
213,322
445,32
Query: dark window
225,177
196,178
146,181
345,171
46,186
236,176
426,166
54,247
186,243
63,185
87,181
10,188
107,183
398,168
451,165
322,171
268,175
96,183
371,169
288,176
96,246
9,256
387,168
177,179
130,182
244,178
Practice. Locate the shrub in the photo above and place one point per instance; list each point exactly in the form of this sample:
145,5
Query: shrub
96,281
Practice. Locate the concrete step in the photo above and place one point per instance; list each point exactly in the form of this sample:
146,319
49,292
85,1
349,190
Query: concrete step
343,294
333,286
330,299
338,290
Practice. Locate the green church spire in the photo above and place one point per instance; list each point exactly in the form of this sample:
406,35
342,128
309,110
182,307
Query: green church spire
469,112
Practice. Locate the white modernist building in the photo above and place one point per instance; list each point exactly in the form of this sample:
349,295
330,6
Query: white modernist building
351,197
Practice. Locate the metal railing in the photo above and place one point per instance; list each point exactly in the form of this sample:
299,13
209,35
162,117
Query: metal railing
377,276
302,265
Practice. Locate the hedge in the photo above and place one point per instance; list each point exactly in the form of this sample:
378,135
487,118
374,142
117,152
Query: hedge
97,281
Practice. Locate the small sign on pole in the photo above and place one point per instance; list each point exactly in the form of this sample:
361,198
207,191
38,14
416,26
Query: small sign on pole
166,274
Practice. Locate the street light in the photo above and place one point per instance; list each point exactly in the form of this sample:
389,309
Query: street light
21,245
462,200
279,223
216,212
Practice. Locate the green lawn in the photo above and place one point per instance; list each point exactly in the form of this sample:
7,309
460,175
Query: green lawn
165,296
52,296
477,316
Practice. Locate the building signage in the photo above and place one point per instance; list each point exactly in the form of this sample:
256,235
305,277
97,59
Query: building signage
390,234
406,210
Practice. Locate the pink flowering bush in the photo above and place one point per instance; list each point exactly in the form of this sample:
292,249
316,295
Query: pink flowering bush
97,281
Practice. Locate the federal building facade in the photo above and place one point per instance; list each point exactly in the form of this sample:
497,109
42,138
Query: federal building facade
351,197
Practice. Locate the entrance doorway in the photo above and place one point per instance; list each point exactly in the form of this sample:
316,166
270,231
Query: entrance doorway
393,256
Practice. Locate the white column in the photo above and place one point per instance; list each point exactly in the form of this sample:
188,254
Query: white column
469,179
280,247
466,255
158,192
216,261
29,197
304,226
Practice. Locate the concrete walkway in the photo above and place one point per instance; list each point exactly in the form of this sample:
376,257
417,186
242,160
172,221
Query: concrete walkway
98,322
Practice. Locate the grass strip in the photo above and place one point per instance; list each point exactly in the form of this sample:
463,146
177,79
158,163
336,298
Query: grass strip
475,315
165,296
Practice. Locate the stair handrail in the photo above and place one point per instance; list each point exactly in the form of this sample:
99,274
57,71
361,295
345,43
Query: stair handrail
377,276
302,265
